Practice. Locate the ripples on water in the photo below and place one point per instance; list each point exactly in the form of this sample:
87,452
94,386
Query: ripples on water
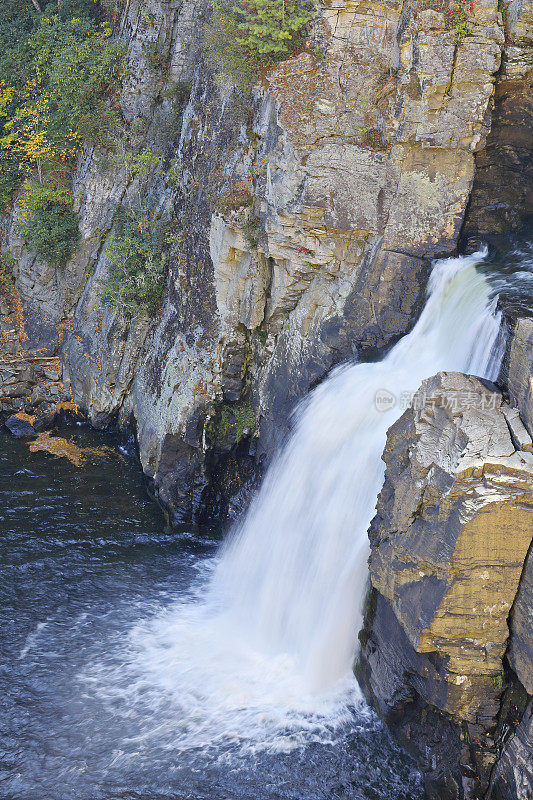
88,569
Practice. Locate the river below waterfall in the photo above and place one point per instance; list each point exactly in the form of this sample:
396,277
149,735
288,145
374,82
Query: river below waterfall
85,561
138,663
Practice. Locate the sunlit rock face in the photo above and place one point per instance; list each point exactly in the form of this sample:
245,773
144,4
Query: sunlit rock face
449,541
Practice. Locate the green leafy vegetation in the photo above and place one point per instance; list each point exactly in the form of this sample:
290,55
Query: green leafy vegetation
248,36
171,123
498,680
7,279
457,14
136,260
144,162
251,229
237,420
179,92
74,67
239,196
60,70
155,56
49,225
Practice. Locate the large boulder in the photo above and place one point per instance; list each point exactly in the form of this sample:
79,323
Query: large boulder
452,531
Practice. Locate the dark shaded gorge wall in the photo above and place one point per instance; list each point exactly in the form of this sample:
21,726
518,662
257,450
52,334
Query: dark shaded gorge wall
502,194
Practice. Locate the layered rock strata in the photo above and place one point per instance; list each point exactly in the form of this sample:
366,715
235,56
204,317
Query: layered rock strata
446,648
502,195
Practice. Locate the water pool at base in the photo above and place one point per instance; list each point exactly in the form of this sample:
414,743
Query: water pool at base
86,562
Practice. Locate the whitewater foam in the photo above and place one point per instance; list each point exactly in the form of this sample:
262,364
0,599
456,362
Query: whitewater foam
262,656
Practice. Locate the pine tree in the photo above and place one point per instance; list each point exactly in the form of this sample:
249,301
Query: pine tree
269,27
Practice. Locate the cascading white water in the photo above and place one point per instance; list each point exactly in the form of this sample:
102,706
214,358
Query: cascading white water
294,575
268,645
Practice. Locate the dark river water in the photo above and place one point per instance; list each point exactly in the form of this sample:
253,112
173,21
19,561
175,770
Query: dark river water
85,556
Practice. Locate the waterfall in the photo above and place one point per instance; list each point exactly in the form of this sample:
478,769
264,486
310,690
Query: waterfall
268,643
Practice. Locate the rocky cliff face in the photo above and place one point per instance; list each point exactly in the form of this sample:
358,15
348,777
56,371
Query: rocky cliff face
517,370
447,641
503,186
307,218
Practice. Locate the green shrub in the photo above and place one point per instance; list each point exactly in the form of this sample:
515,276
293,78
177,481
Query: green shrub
10,178
17,20
82,65
179,92
457,14
49,225
251,230
170,123
235,420
113,7
233,199
144,162
58,73
136,260
155,56
245,37
52,233
7,279
74,8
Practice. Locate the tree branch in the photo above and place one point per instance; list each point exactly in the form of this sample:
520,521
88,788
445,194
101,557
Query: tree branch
36,6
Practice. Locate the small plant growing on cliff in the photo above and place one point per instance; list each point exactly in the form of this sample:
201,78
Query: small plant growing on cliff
136,260
179,92
249,35
457,14
237,197
155,56
498,680
145,162
251,229
48,224
7,279
373,139
236,420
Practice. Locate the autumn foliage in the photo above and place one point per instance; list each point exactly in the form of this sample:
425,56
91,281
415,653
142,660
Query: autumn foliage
49,107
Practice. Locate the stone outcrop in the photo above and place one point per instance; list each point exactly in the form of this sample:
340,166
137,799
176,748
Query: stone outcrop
502,195
30,379
517,370
449,542
513,776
